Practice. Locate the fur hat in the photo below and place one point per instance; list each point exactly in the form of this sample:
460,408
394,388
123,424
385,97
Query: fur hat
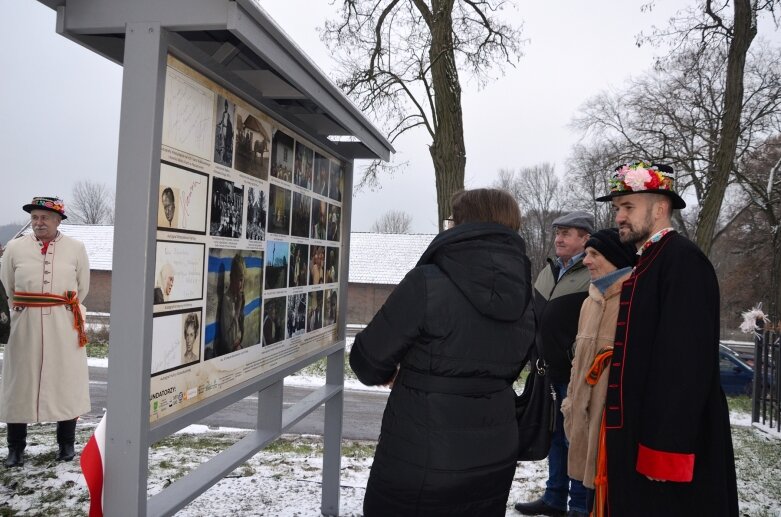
53,204
644,177
608,243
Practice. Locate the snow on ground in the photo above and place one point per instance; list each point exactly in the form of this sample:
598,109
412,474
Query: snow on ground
285,478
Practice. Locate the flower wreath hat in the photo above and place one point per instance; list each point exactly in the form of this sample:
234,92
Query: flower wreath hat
52,204
643,177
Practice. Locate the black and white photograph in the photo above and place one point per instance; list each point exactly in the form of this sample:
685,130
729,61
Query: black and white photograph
277,257
296,314
191,348
334,222
274,320
282,156
314,316
176,340
316,265
183,199
224,132
299,265
302,171
178,272
336,181
322,172
330,307
279,207
331,265
257,208
253,144
227,208
319,221
233,301
302,206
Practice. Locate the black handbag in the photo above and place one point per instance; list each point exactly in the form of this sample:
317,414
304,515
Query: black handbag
535,410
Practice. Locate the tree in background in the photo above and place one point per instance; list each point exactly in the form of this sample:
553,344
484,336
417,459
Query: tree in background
393,221
91,203
401,62
541,198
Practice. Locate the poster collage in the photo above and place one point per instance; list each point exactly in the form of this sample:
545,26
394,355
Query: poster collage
249,231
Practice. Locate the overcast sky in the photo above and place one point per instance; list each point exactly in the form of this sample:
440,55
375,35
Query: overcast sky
59,102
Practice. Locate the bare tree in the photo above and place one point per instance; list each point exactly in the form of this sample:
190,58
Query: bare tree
91,203
675,115
402,60
541,200
393,221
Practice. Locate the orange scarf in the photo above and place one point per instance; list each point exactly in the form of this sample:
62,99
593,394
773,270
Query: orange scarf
598,367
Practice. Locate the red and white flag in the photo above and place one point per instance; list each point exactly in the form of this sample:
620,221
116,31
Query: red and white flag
93,468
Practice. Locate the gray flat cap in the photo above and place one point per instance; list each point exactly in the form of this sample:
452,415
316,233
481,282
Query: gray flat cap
576,219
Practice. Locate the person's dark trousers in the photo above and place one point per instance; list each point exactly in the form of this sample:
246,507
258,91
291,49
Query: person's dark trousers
559,485
66,438
17,441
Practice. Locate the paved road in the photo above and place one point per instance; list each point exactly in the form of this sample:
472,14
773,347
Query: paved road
362,410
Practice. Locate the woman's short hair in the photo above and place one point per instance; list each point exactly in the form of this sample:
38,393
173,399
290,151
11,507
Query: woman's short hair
192,321
486,205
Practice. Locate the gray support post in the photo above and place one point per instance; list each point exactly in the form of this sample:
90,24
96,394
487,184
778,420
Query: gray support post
334,374
270,408
138,176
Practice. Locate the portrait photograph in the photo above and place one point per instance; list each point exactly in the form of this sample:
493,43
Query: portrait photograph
334,222
299,265
279,210
277,256
182,200
322,172
227,208
302,170
316,265
178,271
274,320
188,115
282,159
233,301
302,207
331,265
224,132
296,314
330,305
176,340
257,207
336,181
253,144
314,317
319,221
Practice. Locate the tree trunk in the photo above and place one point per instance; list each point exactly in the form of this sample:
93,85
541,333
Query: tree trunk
447,149
743,32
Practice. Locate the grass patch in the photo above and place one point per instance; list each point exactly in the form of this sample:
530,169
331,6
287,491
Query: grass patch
318,368
97,349
282,446
358,449
740,403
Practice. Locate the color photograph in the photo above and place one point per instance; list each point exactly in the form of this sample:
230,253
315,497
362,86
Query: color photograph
322,172
316,265
299,264
279,207
314,317
319,220
334,222
336,181
302,207
331,265
274,320
277,256
302,170
330,309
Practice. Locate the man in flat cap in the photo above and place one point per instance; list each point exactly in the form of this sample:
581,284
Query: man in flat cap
666,423
559,292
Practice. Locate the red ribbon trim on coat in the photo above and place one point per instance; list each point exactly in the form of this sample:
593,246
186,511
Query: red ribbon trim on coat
668,466
23,299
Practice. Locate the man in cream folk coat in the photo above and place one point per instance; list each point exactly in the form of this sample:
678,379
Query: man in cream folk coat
45,375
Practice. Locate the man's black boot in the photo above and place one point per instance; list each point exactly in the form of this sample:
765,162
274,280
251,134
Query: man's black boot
66,438
539,507
17,441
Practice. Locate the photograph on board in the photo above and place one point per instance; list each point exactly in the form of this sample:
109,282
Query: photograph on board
322,172
276,264
302,170
296,314
314,317
233,301
336,181
334,222
178,271
273,320
176,340
282,156
316,265
302,206
253,144
331,302
299,262
279,207
227,208
319,220
224,132
331,265
256,214
183,199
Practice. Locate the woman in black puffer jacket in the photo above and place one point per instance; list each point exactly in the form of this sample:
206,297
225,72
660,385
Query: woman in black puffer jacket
451,339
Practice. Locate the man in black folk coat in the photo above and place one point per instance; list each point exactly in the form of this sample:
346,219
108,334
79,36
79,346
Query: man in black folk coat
669,445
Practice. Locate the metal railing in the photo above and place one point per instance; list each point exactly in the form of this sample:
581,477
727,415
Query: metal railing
766,403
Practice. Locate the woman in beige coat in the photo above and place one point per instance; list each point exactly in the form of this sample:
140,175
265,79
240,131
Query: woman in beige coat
609,263
45,376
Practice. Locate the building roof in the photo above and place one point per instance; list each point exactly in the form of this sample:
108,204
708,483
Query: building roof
375,258
97,238
384,258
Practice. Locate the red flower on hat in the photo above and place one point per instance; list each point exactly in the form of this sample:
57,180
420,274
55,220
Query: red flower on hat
653,182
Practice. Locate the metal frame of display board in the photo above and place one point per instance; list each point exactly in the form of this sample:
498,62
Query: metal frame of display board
140,35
